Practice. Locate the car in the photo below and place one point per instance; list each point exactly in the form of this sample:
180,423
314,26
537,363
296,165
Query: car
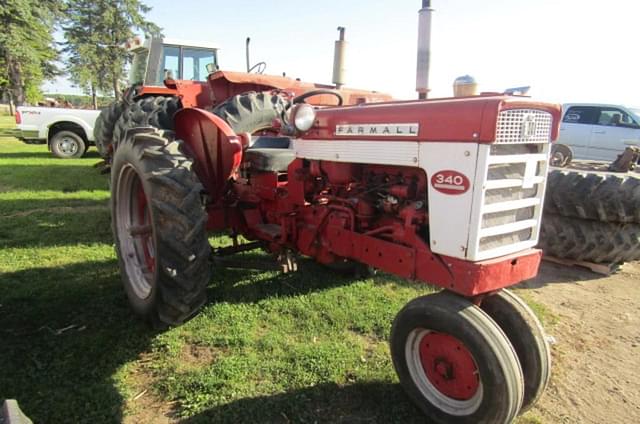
67,132
594,131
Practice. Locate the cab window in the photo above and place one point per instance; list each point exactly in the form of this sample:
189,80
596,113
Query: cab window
194,63
170,62
581,115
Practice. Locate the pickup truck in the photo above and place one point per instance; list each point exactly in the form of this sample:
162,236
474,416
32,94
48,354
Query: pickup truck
67,132
595,131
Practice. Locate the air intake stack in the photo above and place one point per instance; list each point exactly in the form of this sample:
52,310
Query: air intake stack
339,60
424,49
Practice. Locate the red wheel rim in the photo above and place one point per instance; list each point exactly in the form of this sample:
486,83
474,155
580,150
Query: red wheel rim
449,366
144,222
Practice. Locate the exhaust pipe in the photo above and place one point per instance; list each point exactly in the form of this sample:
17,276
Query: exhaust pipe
424,49
339,60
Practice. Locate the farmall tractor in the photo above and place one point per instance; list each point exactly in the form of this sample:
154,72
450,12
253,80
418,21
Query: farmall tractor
446,192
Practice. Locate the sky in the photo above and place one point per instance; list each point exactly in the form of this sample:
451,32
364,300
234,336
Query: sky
566,50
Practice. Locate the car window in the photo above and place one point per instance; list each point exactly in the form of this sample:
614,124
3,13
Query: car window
614,117
581,115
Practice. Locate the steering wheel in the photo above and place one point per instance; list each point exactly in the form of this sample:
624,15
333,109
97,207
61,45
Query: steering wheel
301,98
258,67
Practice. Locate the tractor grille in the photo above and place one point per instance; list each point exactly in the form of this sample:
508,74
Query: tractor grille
513,188
510,128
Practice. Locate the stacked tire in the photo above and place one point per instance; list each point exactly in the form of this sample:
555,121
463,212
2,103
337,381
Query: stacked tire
592,216
114,121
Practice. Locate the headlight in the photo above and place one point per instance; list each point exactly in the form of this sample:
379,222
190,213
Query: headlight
304,116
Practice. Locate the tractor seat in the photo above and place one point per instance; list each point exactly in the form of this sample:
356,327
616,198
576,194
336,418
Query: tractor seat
269,154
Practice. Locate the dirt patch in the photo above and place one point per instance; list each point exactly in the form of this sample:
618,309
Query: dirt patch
597,355
197,355
143,406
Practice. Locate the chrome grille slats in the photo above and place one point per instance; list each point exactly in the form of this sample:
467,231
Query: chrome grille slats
513,183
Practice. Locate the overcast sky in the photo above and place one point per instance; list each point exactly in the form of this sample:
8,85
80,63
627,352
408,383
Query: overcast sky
567,50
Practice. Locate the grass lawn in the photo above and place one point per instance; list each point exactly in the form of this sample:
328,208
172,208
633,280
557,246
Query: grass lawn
298,348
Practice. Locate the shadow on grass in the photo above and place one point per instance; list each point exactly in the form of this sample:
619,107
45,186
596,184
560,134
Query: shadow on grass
65,332
54,222
371,402
58,177
251,286
44,154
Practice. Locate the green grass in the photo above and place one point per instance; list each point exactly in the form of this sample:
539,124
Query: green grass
304,347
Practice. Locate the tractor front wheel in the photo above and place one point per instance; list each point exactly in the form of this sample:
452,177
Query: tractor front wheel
454,362
159,226
527,336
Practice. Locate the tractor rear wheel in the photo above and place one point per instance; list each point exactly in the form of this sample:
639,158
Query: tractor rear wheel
527,336
159,227
252,112
104,126
454,362
153,111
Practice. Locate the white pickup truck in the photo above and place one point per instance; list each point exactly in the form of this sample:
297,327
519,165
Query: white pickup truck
67,132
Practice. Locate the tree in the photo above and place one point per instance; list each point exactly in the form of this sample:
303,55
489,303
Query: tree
27,49
96,33
83,47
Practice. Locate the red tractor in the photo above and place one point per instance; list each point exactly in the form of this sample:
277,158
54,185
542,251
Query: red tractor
167,75
447,192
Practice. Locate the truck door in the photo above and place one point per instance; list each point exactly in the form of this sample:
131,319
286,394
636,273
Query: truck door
614,130
576,128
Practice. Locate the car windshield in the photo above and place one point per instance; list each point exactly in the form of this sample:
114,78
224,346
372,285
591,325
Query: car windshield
636,114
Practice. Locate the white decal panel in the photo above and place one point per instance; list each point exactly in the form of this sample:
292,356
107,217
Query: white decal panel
378,130
403,153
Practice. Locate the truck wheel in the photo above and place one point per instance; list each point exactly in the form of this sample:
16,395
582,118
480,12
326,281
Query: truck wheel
454,362
67,145
601,196
154,111
527,337
591,241
159,226
252,112
104,126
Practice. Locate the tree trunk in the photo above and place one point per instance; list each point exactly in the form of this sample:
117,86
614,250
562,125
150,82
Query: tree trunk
116,87
94,99
16,88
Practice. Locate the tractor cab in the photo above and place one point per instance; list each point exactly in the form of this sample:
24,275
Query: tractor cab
156,59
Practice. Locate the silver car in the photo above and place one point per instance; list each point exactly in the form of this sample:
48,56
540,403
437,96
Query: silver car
598,131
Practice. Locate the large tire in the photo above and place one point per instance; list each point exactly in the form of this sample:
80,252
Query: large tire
104,126
454,362
527,336
252,112
587,240
159,227
600,196
154,111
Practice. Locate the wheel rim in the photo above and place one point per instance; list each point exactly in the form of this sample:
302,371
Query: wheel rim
67,146
135,232
444,371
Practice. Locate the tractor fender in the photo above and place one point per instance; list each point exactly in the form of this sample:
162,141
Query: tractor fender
215,148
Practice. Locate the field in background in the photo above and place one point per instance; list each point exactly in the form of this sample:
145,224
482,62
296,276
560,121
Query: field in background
305,347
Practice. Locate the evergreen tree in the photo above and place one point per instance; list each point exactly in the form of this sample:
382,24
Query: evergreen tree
27,49
96,32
